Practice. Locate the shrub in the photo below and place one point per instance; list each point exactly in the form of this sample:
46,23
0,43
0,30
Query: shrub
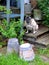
44,6
8,30
12,29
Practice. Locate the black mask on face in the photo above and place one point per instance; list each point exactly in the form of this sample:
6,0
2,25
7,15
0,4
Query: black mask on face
28,19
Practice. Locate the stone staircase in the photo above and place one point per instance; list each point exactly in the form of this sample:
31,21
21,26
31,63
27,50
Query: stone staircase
40,38
44,39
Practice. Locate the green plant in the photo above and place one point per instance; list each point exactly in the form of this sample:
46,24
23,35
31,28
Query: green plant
44,6
3,8
20,32
8,30
12,29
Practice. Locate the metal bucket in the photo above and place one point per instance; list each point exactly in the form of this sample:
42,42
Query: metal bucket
13,45
26,52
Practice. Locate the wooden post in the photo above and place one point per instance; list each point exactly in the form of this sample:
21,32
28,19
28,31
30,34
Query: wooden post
22,10
18,3
8,8
22,13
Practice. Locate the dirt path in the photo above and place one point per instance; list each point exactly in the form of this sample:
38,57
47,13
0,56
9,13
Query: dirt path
3,50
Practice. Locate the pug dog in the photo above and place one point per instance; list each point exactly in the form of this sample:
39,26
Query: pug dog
31,24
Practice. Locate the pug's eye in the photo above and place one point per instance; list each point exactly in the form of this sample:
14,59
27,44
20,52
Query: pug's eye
29,17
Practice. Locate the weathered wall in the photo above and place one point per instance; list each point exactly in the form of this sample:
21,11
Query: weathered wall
33,3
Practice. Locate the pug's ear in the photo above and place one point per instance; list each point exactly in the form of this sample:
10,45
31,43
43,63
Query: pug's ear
27,16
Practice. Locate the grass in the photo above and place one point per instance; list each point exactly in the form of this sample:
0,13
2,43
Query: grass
13,59
38,60
44,51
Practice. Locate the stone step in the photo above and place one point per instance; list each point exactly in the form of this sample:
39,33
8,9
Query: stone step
41,41
44,39
42,29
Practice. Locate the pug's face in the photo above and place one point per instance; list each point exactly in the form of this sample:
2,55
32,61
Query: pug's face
28,19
